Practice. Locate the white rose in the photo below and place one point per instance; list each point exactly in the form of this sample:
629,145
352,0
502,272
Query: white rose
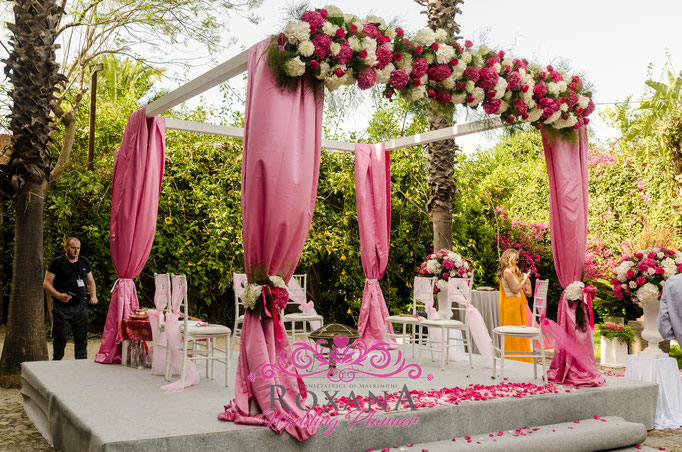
562,86
425,37
329,28
294,67
324,70
335,48
553,88
466,57
355,43
534,115
445,53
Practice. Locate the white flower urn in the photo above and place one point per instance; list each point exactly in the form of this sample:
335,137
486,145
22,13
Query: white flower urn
613,352
650,333
444,305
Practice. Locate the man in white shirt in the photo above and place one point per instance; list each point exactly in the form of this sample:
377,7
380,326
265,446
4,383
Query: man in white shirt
670,315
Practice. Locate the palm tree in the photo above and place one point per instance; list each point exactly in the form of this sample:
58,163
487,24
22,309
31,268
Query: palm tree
441,155
32,71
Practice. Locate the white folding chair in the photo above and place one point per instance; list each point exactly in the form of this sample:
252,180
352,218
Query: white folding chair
238,283
422,292
534,334
297,289
162,295
457,287
197,334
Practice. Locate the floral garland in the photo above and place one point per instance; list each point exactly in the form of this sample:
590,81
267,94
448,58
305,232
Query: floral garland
640,278
624,334
445,264
338,49
576,295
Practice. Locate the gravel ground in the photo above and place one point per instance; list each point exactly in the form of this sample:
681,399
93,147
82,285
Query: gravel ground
17,433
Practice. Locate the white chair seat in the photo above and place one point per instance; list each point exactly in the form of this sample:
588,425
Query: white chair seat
443,323
302,316
210,330
404,319
513,329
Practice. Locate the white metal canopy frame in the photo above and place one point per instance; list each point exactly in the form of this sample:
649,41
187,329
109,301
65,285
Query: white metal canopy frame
238,65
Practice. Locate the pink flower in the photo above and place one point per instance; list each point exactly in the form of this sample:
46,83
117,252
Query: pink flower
660,270
353,29
443,97
646,263
492,106
471,73
514,81
344,55
313,18
446,275
629,274
540,90
435,46
651,255
397,56
399,79
322,43
399,32
384,56
448,264
313,64
324,13
366,78
468,43
590,108
639,255
340,33
641,280
371,30
572,98
488,78
556,76
339,72
440,72
282,39
362,53
418,50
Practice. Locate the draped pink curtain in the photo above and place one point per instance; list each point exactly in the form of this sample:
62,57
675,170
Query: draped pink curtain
136,186
280,169
568,197
373,198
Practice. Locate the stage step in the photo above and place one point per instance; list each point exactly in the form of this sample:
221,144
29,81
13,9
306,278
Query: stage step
588,435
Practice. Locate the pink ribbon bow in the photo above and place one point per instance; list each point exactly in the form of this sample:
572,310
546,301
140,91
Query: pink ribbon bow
589,293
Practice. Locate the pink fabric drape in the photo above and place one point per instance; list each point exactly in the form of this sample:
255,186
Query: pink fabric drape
161,296
373,198
280,169
568,197
136,186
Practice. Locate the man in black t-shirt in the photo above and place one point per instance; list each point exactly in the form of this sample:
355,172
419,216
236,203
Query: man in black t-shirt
66,279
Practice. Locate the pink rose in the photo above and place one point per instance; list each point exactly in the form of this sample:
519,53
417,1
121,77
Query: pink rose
282,39
434,46
660,270
448,264
313,64
397,56
340,33
389,94
446,275
641,280
468,44
492,106
371,30
614,280
399,31
418,50
362,53
324,13
339,72
630,274
639,255
353,29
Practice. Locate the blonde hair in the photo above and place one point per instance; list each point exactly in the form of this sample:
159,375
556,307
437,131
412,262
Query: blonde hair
506,262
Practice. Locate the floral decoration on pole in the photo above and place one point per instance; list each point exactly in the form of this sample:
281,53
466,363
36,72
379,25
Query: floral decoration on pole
338,49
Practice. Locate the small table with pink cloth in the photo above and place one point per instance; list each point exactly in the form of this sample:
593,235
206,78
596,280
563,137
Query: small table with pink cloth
133,330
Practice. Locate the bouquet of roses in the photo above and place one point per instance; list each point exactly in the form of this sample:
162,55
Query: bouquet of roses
266,294
445,264
640,278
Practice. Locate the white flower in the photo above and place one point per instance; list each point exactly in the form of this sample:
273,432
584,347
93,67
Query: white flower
424,80
377,20
470,86
384,75
306,48
500,88
458,70
368,43
503,107
297,31
478,95
251,294
647,293
660,255
622,270
483,50
355,43
458,98
669,266
295,67
441,35
497,67
562,86
405,63
333,11
429,58
390,32
425,37
371,59
633,284
562,123
451,254
277,281
554,117
564,108
324,70
335,48
433,267
478,60
329,28
678,260
534,114
332,82
574,291
466,57
445,53
416,93
583,101
624,286
651,271
553,88
449,82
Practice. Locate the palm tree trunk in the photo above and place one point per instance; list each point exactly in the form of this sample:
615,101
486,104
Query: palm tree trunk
441,155
25,336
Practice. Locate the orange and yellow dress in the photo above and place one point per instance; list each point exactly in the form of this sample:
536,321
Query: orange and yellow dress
513,312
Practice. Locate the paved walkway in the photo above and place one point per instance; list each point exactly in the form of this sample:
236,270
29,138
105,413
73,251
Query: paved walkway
17,433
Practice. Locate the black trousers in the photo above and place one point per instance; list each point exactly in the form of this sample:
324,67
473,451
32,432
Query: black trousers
64,315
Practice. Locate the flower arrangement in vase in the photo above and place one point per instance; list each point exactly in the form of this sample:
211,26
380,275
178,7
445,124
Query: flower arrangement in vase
640,278
445,264
623,333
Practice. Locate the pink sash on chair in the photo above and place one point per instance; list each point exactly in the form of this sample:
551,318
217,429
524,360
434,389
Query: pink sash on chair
175,341
297,294
460,291
161,296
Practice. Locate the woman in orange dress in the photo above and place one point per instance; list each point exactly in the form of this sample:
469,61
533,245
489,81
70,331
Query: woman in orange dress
514,288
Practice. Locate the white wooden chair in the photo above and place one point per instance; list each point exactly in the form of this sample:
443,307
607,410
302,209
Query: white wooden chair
207,335
297,289
457,287
422,292
238,283
162,296
534,334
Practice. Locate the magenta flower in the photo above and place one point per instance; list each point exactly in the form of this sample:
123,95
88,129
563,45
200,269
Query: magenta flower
345,54
540,90
399,79
471,73
322,43
384,56
443,97
440,72
488,78
367,78
448,264
419,67
313,18
492,106
371,30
